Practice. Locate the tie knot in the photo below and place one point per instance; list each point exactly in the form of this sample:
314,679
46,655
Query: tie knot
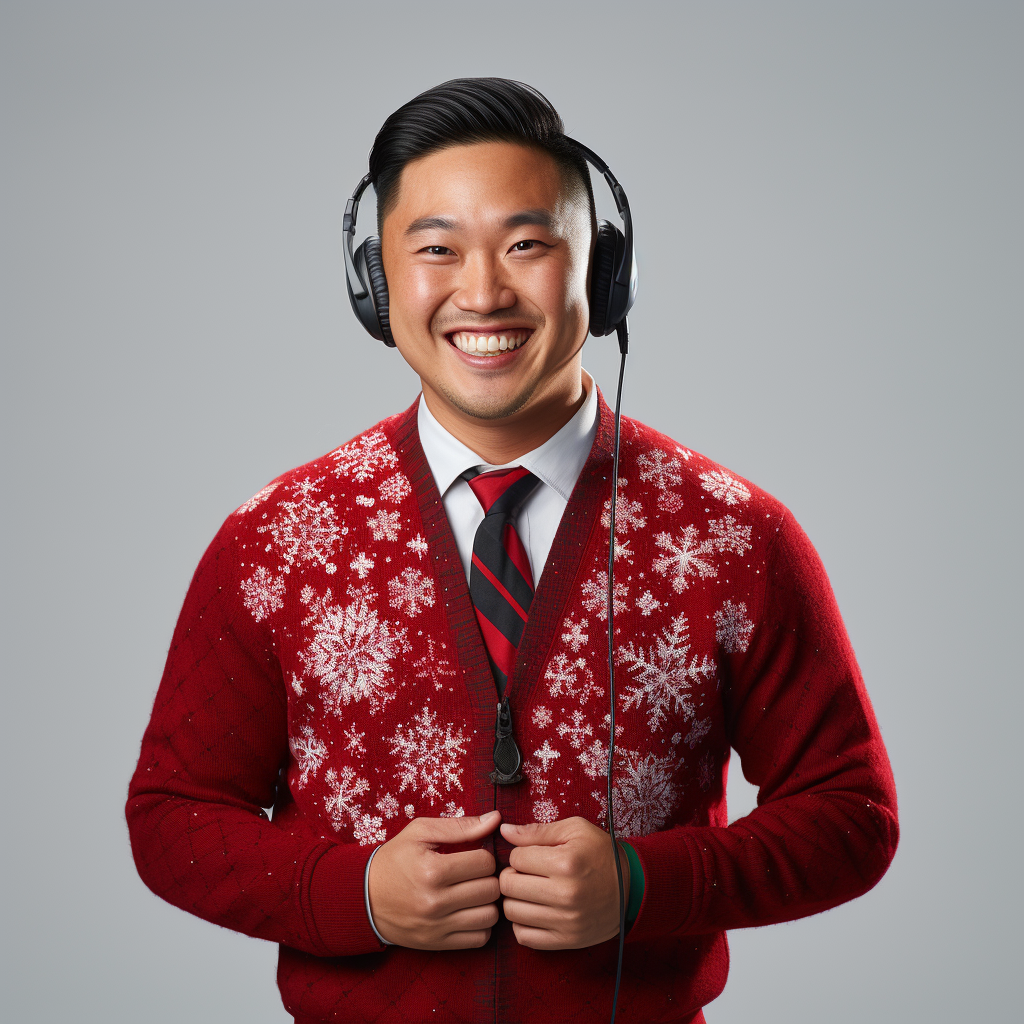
502,491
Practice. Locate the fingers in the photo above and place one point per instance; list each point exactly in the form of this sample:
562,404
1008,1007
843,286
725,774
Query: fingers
443,869
534,915
475,893
537,938
472,919
541,860
456,830
532,888
538,833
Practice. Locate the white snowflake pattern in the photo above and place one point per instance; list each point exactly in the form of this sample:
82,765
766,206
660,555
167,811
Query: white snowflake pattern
664,674
342,791
545,811
417,545
395,489
366,500
364,457
685,452
304,530
732,627
263,593
411,591
362,565
258,498
700,728
369,829
351,651
576,731
594,593
428,755
685,556
571,678
594,757
297,684
647,603
309,753
728,535
659,468
669,501
385,525
724,487
575,634
545,755
628,513
541,717
354,741
409,810
388,806
645,792
452,810
433,666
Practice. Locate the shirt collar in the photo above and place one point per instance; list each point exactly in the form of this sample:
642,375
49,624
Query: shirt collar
557,462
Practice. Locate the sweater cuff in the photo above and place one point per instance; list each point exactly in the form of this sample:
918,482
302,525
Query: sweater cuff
337,901
669,879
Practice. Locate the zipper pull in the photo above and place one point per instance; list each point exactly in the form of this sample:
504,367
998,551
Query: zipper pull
507,758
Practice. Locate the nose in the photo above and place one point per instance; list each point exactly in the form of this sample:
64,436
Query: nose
483,287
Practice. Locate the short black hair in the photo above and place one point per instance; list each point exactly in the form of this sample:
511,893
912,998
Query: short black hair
464,111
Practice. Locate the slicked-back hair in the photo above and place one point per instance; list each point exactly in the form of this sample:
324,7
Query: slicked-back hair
465,111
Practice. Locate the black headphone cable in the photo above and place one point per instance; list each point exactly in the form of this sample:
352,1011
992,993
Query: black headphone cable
622,332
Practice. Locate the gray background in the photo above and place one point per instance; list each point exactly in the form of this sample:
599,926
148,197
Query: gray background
829,223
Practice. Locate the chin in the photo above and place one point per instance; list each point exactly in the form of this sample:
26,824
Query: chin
487,407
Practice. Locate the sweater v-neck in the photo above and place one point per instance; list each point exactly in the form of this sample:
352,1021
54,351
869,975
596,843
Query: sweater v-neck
580,519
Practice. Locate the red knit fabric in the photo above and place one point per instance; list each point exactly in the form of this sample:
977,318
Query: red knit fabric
327,662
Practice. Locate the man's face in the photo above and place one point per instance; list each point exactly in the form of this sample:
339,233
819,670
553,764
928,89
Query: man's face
487,248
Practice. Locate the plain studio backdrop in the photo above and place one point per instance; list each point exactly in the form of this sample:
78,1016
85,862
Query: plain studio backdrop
827,201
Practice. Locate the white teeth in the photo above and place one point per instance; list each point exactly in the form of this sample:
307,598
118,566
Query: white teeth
482,344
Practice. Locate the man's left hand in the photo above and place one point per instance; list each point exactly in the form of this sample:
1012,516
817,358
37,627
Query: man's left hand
561,889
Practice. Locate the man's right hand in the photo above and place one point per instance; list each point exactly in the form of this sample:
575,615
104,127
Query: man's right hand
429,900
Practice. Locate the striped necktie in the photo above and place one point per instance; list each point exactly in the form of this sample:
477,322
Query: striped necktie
500,580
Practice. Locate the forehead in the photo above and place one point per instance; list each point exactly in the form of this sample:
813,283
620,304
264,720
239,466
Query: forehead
483,180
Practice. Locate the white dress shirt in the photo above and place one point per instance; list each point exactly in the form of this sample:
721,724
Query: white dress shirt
557,463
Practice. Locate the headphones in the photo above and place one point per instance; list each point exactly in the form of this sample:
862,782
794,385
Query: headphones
612,281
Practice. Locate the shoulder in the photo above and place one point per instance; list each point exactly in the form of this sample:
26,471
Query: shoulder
675,477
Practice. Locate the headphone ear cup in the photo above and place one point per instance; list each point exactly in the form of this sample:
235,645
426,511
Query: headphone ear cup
378,285
611,243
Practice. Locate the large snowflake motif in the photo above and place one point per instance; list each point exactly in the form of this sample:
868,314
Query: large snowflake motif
411,591
577,730
263,593
351,651
304,530
575,635
595,595
659,468
385,525
732,627
644,793
428,756
396,488
728,535
571,677
628,513
724,487
664,674
685,556
365,456
342,791
309,753
369,829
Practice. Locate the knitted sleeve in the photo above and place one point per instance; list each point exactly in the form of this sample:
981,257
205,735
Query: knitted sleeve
825,828
210,763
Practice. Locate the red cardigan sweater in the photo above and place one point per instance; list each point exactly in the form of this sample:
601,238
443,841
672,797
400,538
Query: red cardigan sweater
327,663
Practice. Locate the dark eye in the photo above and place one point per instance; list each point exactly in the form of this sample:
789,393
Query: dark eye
524,246
438,250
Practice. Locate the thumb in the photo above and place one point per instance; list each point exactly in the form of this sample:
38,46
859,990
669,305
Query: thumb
457,830
536,833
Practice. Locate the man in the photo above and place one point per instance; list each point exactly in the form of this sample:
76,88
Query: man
351,630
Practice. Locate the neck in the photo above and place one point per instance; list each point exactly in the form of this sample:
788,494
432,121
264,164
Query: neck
498,442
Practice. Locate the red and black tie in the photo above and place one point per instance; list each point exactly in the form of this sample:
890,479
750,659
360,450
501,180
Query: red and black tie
500,580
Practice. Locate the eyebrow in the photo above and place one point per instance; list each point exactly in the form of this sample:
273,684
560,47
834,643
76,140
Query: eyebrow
542,218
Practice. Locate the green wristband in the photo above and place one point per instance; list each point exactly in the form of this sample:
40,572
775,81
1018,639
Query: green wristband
636,884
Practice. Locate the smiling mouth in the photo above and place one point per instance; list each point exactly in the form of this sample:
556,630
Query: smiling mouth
480,344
